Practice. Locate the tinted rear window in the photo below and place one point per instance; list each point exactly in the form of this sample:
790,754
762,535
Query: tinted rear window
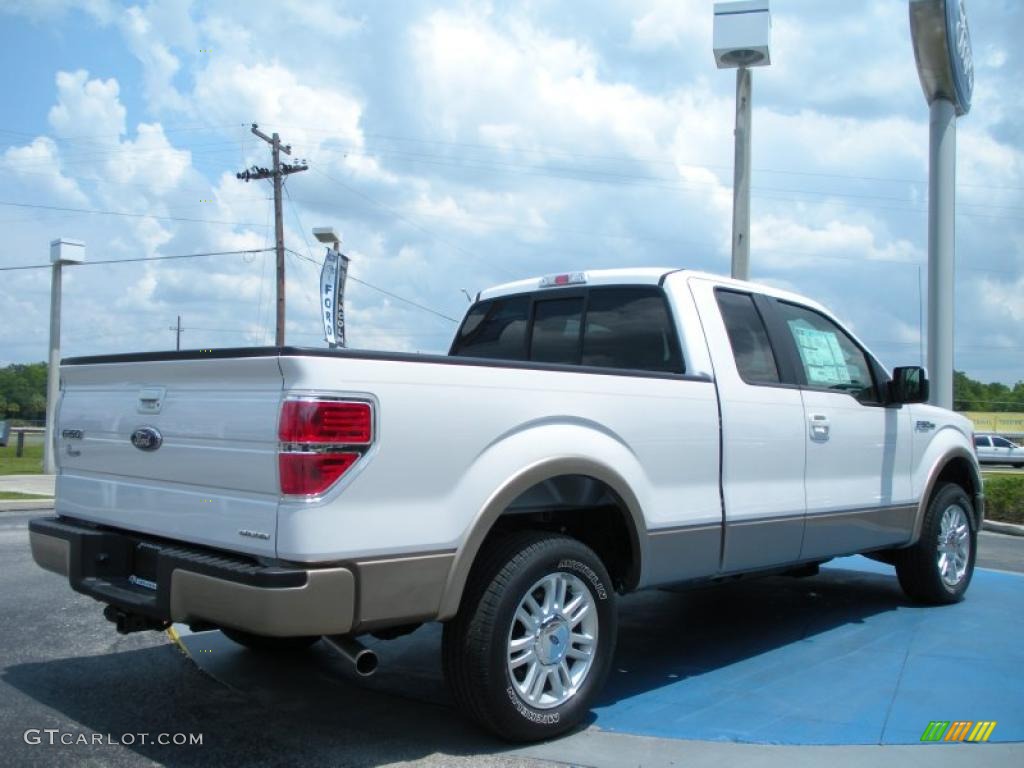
626,327
556,331
630,328
495,329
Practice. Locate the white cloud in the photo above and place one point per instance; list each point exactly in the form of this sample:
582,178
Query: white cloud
673,23
474,75
149,160
785,243
87,106
37,166
159,64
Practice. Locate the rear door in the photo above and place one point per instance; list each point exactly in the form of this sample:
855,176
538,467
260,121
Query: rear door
762,432
202,466
858,450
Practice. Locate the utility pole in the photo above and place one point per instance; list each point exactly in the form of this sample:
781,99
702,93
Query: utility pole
177,344
277,174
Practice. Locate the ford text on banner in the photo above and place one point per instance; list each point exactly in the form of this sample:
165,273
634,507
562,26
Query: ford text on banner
329,299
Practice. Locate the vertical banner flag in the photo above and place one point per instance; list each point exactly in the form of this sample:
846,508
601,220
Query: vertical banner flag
328,294
339,291
332,296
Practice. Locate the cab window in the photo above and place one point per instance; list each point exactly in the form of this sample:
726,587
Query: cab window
828,357
748,338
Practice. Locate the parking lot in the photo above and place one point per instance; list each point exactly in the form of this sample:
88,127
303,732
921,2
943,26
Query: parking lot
777,671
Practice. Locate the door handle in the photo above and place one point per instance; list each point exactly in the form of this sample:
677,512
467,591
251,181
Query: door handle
819,427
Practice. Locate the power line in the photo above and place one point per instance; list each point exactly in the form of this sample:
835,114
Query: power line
126,214
505,148
384,291
409,221
708,247
657,182
145,258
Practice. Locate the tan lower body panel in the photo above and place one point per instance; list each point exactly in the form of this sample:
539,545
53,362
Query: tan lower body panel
51,553
325,605
401,590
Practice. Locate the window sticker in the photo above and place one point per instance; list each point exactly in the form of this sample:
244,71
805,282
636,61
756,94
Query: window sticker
821,354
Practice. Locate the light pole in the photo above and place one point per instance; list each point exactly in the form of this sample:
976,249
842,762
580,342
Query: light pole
742,36
332,287
945,65
62,251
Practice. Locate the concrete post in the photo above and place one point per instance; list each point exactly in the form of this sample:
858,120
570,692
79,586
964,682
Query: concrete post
941,235
741,179
53,372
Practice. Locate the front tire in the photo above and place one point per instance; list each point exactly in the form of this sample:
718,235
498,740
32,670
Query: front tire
534,638
938,568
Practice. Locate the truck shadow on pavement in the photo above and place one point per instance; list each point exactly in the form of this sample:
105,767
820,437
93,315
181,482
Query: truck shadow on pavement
267,710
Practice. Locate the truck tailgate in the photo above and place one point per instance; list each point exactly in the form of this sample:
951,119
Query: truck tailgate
209,472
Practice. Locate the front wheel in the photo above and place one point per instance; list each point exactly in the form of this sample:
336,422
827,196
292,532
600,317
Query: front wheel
533,641
938,568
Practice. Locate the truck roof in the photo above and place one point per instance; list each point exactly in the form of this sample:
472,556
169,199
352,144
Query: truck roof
642,276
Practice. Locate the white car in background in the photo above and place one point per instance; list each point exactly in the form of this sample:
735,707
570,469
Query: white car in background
993,449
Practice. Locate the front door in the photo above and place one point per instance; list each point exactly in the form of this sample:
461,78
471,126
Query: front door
859,451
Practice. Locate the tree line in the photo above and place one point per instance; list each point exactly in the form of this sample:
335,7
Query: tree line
23,393
971,395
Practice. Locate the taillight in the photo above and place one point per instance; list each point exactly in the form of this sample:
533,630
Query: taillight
320,440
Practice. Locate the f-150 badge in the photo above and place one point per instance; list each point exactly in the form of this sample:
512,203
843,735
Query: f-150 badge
147,438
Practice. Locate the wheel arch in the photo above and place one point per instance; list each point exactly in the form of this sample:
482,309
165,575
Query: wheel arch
957,465
534,479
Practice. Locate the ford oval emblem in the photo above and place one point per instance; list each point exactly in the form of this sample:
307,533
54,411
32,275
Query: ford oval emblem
147,438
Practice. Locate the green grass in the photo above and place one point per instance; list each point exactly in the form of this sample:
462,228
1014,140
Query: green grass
29,464
1004,497
12,496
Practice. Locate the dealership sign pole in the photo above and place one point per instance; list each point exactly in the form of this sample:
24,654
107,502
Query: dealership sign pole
942,48
741,38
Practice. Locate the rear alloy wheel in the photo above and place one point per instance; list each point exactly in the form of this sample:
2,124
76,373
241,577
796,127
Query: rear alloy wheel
533,641
552,640
938,568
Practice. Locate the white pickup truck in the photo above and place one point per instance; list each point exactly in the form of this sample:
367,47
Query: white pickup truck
588,435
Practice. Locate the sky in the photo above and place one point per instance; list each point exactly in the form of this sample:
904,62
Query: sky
458,145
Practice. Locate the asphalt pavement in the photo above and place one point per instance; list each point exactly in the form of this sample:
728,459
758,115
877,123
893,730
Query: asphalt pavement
64,668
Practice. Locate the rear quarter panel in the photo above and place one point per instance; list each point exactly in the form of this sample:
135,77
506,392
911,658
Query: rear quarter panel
452,435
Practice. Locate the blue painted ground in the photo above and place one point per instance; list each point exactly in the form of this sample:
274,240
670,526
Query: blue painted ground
842,658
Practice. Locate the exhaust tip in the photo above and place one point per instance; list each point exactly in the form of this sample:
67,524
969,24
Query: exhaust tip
366,663
363,660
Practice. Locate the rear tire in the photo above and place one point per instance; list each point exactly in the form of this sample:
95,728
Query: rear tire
265,644
937,570
533,641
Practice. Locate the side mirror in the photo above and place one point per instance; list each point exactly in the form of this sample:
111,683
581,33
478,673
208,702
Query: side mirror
909,385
